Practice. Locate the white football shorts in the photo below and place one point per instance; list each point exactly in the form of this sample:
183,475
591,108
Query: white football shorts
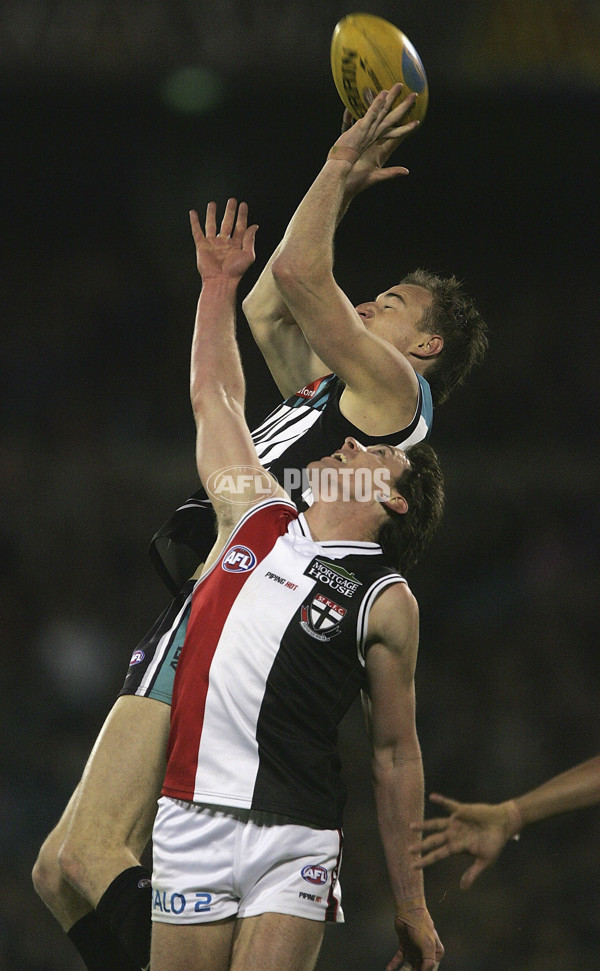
212,862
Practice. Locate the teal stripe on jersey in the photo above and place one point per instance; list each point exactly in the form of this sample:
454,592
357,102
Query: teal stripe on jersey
162,689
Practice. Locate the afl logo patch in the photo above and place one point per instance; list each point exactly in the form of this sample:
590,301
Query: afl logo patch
136,657
239,559
314,873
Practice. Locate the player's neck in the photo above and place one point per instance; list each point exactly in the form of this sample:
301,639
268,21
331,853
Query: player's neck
348,521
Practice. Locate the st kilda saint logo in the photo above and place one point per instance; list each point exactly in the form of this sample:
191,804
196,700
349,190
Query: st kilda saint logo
321,617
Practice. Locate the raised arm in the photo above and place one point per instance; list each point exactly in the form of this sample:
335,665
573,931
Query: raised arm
217,387
284,345
397,767
483,829
372,368
288,355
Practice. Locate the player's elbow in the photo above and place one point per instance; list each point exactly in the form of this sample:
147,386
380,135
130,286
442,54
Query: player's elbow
389,761
217,399
204,394
294,274
250,305
202,387
286,273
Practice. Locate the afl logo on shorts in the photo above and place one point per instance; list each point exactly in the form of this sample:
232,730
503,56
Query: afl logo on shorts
315,873
136,657
239,559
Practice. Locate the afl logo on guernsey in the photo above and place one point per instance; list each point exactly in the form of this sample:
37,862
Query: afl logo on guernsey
136,657
239,559
314,873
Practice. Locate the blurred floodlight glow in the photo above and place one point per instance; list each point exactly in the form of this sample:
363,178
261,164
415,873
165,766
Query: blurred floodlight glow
192,90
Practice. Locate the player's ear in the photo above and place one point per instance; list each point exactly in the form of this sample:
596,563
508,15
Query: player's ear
431,346
397,504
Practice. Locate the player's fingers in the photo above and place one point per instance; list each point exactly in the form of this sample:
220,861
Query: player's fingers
429,960
347,120
402,130
241,223
381,106
439,824
376,110
374,118
391,172
228,221
469,876
196,227
395,114
396,962
248,240
211,220
394,125
433,841
393,93
450,804
431,856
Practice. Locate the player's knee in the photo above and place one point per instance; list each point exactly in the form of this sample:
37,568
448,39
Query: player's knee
46,874
71,862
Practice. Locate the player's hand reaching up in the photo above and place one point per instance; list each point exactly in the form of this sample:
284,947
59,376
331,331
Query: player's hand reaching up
480,829
229,252
371,167
368,143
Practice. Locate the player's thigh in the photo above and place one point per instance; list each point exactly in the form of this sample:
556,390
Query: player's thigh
192,947
270,942
121,783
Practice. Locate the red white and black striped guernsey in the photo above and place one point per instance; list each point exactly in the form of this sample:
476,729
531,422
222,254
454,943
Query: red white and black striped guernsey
274,655
301,429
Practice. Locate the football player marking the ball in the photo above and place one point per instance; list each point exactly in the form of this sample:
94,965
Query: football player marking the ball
247,839
374,370
88,871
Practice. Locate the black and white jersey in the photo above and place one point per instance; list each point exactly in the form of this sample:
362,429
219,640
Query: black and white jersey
302,429
274,655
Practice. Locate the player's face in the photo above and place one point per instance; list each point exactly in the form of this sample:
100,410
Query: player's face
396,314
360,467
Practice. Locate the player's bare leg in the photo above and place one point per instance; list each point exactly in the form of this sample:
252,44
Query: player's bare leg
271,942
63,902
197,947
110,821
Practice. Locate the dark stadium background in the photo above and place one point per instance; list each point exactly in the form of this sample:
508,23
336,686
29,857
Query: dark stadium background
117,119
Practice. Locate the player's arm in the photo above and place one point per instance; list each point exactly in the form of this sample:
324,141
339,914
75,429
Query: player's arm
397,766
291,359
217,386
372,369
288,355
483,829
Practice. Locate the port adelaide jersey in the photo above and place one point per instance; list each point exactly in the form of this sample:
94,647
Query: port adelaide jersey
274,656
302,428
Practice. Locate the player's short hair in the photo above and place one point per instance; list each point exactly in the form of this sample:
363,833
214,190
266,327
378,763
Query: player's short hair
403,537
454,316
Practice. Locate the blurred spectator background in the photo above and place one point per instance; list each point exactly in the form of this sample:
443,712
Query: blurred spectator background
119,118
